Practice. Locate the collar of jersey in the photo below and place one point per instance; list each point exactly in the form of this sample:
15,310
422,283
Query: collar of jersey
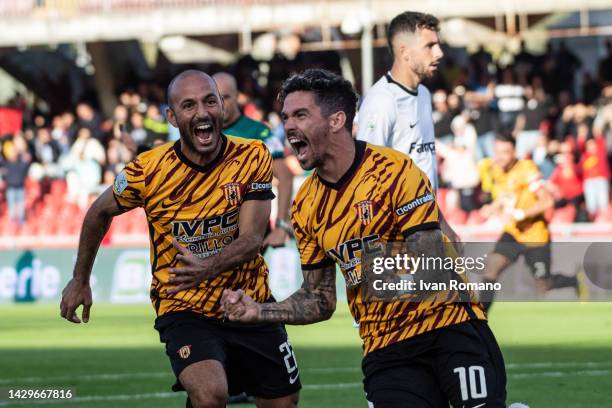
207,167
393,81
359,152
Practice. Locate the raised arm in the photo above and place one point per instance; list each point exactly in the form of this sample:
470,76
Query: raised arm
315,301
96,223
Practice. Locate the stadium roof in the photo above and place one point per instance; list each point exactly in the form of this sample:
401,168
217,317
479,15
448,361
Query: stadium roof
31,22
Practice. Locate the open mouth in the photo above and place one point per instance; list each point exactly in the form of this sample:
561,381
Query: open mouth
203,133
299,146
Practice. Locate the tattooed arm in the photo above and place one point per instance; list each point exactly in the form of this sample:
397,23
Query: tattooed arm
428,242
315,301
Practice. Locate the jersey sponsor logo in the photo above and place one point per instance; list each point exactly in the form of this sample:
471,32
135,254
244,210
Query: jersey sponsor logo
422,147
259,186
232,193
184,352
120,183
364,209
206,237
413,124
348,256
417,202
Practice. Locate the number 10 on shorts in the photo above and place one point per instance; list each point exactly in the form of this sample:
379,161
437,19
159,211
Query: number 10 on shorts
477,382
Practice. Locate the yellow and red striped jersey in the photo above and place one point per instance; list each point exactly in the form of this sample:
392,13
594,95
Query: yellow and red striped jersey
382,198
199,206
517,189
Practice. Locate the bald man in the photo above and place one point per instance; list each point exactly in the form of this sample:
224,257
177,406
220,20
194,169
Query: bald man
237,124
207,199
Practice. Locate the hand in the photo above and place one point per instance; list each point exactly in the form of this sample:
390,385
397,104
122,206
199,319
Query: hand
239,307
193,271
76,293
276,238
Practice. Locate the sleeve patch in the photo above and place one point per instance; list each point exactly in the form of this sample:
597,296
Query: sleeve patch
260,186
412,204
120,183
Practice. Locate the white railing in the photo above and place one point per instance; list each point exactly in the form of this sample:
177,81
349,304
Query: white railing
71,8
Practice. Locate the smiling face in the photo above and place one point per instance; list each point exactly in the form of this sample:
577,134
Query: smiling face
306,128
197,111
420,51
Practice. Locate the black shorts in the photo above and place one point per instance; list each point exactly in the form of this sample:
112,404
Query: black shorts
461,364
257,359
537,257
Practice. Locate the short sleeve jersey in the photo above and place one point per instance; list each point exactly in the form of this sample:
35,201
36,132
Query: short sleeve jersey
200,207
382,198
517,189
394,116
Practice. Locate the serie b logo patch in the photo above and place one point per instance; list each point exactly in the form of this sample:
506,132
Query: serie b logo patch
184,352
231,192
364,209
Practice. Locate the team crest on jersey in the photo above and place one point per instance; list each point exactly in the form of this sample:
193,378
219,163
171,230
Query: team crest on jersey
231,192
184,352
364,209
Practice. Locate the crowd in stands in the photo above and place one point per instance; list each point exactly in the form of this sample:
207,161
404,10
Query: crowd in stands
565,131
55,165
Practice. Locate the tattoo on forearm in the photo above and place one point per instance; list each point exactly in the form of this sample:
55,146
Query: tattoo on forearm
315,301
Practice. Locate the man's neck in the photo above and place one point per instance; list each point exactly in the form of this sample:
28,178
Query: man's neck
405,76
199,158
338,160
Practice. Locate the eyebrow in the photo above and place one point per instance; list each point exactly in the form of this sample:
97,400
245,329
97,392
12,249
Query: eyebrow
295,112
192,99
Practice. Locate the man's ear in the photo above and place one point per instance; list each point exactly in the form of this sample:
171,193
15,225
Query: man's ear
337,121
171,117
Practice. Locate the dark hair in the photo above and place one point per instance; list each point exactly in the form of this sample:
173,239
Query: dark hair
332,92
505,135
409,21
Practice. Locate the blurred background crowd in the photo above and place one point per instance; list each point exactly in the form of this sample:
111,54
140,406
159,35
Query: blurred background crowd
54,161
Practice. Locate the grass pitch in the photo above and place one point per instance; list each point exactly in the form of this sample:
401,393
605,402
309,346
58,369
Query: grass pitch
557,355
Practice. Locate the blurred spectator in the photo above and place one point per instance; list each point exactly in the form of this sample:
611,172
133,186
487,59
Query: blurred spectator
156,126
117,155
137,132
89,118
459,167
485,123
543,155
87,148
46,156
83,179
510,99
566,180
84,167
528,121
442,117
15,171
596,173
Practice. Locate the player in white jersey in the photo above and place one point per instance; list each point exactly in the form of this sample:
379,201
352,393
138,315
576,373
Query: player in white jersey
396,111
